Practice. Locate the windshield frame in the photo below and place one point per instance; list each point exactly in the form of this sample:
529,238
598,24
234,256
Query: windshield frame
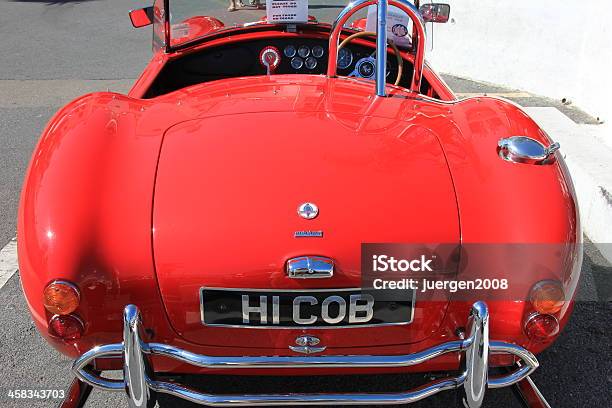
170,45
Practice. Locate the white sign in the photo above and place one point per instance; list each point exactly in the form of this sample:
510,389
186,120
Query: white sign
399,25
287,11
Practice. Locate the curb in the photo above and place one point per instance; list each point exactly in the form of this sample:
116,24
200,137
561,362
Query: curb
588,153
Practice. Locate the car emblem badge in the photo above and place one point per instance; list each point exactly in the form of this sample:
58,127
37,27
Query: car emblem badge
308,211
310,267
307,345
308,234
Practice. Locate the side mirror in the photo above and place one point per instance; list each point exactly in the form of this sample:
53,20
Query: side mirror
142,17
435,12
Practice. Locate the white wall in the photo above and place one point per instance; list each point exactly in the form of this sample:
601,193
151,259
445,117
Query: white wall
559,49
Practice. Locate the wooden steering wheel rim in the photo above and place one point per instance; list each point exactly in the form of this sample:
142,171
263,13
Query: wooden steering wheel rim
398,56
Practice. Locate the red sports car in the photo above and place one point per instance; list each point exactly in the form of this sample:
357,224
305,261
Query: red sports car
288,196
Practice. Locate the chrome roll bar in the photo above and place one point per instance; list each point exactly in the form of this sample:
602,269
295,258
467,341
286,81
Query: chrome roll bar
139,376
381,47
418,43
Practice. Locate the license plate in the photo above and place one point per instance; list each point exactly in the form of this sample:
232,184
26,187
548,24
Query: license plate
322,308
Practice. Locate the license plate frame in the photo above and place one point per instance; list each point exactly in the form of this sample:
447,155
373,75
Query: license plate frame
299,292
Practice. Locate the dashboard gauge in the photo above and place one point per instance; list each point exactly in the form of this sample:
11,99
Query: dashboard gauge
345,58
365,68
317,51
311,62
270,58
290,51
297,63
303,51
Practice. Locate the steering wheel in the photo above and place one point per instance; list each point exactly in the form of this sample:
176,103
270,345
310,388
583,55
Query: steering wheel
396,51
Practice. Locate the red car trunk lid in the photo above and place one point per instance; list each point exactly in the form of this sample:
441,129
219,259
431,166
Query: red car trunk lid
225,212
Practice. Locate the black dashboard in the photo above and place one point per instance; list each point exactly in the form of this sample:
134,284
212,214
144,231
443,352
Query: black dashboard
295,56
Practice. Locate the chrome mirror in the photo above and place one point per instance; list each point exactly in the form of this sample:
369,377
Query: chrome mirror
435,12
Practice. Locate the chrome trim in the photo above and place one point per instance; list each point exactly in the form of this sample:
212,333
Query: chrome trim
137,353
523,149
308,234
476,362
360,326
432,11
83,373
307,345
531,364
136,367
310,267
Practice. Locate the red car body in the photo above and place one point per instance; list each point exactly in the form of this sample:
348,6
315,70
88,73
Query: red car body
143,200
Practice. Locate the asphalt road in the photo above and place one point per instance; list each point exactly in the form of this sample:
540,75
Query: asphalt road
53,51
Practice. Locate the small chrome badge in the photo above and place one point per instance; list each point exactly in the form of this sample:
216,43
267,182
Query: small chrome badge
310,267
308,234
308,211
307,345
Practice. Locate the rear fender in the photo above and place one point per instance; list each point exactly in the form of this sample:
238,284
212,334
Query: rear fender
85,213
508,208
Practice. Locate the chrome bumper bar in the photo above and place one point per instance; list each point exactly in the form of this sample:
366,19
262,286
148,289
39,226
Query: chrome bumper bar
139,377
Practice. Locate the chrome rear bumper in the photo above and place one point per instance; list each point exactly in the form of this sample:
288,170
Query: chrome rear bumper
139,378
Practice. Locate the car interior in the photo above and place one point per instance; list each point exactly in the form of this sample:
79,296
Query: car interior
297,56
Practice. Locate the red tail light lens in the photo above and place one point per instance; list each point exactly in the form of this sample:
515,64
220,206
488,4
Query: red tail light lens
61,298
66,327
540,327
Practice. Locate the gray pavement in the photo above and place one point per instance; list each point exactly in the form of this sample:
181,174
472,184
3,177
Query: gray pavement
469,87
53,51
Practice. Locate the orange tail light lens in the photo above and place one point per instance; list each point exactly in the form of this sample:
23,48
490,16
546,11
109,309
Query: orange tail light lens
547,297
61,298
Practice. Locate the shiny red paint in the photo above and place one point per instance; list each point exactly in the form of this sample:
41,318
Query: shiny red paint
359,24
194,27
369,156
145,200
77,394
141,17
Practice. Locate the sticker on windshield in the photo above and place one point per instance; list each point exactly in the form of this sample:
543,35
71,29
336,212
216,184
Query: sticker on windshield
399,25
179,30
399,30
287,11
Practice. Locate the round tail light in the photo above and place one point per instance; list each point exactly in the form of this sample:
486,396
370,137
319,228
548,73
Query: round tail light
66,327
547,297
540,327
61,298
